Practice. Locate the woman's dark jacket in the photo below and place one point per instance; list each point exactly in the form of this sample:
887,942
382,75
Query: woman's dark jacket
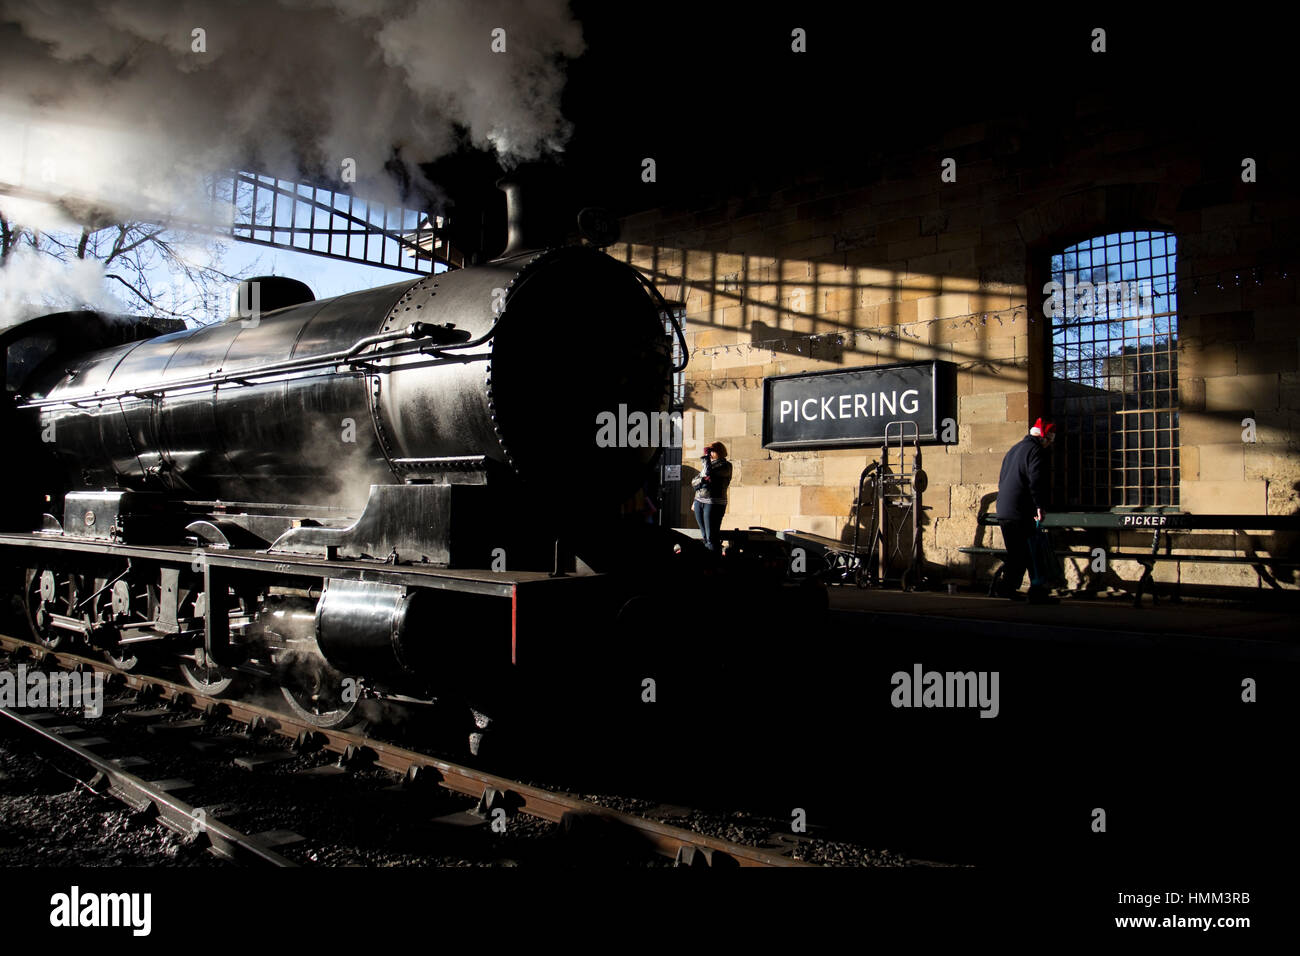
713,491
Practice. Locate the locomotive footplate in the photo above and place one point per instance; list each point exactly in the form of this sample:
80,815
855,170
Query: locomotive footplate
517,628
498,583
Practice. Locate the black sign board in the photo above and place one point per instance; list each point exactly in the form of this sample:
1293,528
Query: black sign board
850,408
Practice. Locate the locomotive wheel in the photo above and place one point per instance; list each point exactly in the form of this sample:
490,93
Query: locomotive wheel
48,592
123,660
317,697
210,679
119,606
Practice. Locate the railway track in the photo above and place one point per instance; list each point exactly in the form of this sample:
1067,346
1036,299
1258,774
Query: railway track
497,796
154,797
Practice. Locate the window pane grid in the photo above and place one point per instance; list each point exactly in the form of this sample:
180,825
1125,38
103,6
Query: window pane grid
1115,371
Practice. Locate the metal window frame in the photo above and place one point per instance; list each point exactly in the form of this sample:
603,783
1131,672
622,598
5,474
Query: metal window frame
1119,444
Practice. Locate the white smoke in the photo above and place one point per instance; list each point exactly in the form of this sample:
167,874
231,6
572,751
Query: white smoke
33,284
118,92
41,216
123,108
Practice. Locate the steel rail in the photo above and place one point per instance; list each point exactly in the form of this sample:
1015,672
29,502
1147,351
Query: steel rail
535,801
177,814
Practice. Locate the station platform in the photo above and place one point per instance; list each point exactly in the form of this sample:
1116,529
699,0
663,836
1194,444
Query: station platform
1270,633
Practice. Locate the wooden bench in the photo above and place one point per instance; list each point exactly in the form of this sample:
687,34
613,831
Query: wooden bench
1160,524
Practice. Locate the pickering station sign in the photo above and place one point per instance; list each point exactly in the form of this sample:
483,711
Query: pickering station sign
850,408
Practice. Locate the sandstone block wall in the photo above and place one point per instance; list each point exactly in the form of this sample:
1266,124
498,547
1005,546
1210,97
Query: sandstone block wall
827,274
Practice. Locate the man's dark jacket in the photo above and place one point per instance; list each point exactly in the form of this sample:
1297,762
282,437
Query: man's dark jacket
1022,485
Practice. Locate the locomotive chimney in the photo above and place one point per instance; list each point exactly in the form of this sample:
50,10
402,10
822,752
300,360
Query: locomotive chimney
531,221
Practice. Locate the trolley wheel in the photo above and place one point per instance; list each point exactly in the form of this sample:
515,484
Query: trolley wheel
839,567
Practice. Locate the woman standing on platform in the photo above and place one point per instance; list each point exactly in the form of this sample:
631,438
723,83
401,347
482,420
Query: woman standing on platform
711,493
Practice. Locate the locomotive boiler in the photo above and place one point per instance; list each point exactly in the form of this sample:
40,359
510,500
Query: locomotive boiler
400,486
498,368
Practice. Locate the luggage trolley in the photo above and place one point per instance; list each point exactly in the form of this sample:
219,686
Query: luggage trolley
887,484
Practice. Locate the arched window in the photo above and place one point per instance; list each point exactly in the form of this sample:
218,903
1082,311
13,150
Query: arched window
1113,309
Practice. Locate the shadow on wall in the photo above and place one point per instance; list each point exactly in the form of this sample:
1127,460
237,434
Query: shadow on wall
900,539
833,308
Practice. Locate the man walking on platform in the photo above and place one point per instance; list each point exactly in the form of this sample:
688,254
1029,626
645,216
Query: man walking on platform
1022,499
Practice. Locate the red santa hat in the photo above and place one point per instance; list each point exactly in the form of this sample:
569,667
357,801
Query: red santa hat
1040,428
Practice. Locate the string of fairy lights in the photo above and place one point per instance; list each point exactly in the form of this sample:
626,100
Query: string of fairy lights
808,344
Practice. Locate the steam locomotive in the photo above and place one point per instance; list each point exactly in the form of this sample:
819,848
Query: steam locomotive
396,493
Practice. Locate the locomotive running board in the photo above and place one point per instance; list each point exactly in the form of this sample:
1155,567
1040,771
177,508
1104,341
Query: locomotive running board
444,525
285,567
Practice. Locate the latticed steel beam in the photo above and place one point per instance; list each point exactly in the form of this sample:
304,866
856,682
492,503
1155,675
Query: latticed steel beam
406,239
419,242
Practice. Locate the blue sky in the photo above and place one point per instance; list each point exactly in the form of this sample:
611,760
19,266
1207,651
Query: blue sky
1144,257
327,277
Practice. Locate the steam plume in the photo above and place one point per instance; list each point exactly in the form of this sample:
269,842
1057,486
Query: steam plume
119,108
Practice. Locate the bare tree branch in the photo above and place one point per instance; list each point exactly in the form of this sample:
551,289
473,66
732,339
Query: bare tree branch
142,256
142,296
120,250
